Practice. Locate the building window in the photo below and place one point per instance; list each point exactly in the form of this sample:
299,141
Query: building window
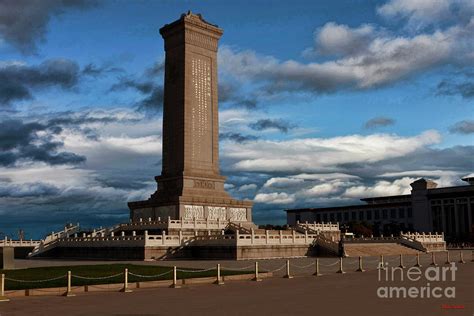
318,218
346,216
325,217
361,215
393,213
384,214
401,213
298,217
409,212
354,216
377,214
369,215
331,216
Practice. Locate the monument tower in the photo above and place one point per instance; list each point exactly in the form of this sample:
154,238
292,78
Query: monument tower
190,185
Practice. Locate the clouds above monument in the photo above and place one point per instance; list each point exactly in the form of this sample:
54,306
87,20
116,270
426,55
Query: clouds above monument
23,24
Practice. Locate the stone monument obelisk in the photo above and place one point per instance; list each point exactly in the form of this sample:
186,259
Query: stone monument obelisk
190,185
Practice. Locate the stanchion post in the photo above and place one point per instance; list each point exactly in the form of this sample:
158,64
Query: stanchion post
288,275
175,279
316,273
472,256
3,298
360,269
433,259
381,263
219,280
401,266
417,264
69,285
256,278
125,282
461,258
340,266
448,261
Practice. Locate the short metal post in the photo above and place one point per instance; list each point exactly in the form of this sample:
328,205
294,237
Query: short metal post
472,256
256,278
433,259
288,275
401,266
69,284
360,269
125,282
461,258
340,266
382,263
175,279
448,261
3,298
316,273
417,264
219,280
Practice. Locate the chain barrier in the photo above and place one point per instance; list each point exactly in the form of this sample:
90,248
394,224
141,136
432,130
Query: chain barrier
329,265
238,269
36,281
276,270
97,278
196,271
302,267
150,276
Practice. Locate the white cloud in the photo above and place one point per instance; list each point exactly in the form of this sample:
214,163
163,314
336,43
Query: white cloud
248,187
315,154
280,182
274,198
381,188
417,12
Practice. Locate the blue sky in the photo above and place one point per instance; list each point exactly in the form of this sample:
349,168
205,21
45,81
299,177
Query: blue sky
321,103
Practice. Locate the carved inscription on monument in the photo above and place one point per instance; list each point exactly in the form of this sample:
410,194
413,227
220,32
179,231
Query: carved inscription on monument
193,211
203,184
216,212
201,148
237,214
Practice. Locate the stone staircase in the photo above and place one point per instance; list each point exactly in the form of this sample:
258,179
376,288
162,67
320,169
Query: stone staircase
377,249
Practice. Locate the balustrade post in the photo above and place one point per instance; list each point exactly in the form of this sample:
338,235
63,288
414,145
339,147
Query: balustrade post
125,282
461,259
175,279
288,275
163,237
266,236
360,269
252,235
293,235
256,278
3,298
281,236
69,285
219,280
341,270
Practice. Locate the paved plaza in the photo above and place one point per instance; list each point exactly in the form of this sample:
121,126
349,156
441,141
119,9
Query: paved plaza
352,293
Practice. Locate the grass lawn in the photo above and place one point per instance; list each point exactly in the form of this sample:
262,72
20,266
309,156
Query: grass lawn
99,271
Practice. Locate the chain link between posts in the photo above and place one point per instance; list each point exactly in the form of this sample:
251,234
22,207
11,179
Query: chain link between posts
36,281
150,276
97,278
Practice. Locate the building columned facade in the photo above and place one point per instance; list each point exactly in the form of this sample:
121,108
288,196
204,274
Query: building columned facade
427,209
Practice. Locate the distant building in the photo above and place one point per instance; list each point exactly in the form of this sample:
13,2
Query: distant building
426,209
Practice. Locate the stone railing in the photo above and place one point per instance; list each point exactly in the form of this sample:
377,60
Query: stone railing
64,233
317,227
267,238
195,224
18,243
422,237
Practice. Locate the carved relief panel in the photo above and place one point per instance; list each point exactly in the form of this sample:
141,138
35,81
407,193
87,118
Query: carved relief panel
193,211
216,212
238,214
